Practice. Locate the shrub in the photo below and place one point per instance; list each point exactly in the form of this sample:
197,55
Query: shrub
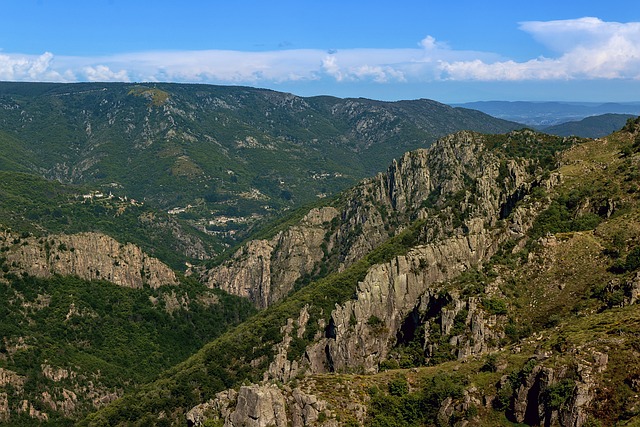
398,386
490,364
495,305
375,322
633,260
417,408
503,398
556,395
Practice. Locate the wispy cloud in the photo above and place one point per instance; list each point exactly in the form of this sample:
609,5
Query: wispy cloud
585,48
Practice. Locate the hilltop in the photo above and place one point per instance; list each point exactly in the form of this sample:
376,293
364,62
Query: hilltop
220,160
590,127
542,114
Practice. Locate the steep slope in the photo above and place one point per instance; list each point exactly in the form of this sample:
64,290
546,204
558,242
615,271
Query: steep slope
71,346
458,175
79,313
448,210
89,256
35,206
220,158
540,329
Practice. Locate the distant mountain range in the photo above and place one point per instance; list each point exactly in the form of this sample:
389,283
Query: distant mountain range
590,127
540,115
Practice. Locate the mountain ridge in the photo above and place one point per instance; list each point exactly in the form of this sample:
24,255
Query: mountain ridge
220,159
500,311
591,127
306,322
489,279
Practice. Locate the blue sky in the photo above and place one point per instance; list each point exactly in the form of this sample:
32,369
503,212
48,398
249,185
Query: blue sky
450,51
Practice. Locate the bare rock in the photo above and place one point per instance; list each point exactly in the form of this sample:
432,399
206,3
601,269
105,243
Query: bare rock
265,270
259,406
11,378
90,256
56,374
633,289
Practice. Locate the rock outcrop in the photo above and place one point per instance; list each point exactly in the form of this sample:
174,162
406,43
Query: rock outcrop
366,327
265,271
555,396
456,179
259,406
406,296
90,256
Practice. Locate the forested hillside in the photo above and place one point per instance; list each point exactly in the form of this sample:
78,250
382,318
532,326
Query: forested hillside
219,160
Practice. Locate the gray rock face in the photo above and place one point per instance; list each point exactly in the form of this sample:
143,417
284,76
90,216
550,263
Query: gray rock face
633,289
463,230
266,270
90,256
528,404
259,406
390,293
531,404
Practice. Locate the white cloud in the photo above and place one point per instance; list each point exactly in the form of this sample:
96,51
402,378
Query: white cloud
102,73
585,48
588,48
566,35
28,68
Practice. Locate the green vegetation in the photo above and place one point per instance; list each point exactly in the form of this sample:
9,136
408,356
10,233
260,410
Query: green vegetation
155,96
529,300
557,395
495,305
560,217
34,205
117,337
418,408
530,145
223,363
234,158
590,127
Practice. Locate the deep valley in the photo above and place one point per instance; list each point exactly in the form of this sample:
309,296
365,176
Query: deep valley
193,255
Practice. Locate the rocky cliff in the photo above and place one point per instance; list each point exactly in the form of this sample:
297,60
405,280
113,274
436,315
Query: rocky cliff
457,178
266,270
464,197
484,281
90,256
